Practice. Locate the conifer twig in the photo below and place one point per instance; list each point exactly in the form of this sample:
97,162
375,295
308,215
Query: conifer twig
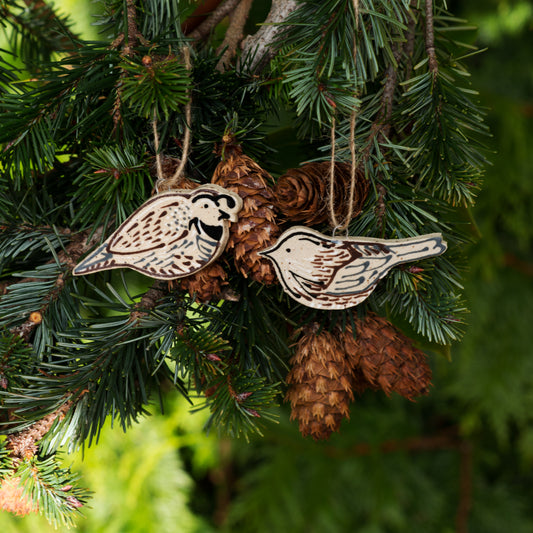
260,48
133,32
23,444
200,14
234,34
430,40
69,256
47,15
207,26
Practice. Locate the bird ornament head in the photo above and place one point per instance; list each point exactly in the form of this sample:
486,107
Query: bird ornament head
172,235
336,273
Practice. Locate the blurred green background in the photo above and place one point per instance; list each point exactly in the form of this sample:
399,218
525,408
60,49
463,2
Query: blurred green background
458,460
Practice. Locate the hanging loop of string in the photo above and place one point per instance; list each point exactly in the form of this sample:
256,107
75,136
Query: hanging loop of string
341,226
173,181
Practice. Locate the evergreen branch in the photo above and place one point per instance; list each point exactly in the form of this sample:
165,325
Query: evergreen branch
67,257
205,27
234,34
260,48
149,301
23,444
238,402
38,23
52,489
15,358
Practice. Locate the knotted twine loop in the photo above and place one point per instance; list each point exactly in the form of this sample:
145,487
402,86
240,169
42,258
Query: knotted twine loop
173,181
337,226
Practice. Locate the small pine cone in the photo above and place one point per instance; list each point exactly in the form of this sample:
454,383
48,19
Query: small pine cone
13,499
302,194
256,228
387,359
169,166
320,384
206,284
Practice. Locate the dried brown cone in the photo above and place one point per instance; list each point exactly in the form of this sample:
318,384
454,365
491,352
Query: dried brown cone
319,383
302,194
256,228
207,284
386,358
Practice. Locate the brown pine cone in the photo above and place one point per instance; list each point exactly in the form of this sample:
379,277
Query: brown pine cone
320,383
169,166
206,284
302,194
256,228
387,359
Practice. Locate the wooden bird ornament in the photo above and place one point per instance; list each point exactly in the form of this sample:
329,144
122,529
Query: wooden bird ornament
171,235
336,273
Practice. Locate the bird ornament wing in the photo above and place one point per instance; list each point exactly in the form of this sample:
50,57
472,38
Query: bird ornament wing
160,221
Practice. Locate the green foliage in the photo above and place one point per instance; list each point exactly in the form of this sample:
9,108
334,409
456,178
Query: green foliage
35,34
53,488
78,157
155,88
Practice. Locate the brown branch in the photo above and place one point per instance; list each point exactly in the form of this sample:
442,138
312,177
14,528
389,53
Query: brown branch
209,24
234,34
199,16
133,32
430,40
260,48
409,45
23,444
69,256
149,301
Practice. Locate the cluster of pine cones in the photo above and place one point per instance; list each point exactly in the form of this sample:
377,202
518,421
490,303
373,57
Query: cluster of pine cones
327,368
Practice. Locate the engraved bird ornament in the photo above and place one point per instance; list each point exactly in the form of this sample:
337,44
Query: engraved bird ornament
336,273
172,235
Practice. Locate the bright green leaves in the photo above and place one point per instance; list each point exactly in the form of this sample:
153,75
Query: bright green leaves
155,85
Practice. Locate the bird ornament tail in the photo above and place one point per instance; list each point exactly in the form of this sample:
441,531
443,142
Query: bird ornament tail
336,273
172,235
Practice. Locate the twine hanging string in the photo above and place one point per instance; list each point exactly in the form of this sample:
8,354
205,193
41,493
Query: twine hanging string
173,181
337,226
